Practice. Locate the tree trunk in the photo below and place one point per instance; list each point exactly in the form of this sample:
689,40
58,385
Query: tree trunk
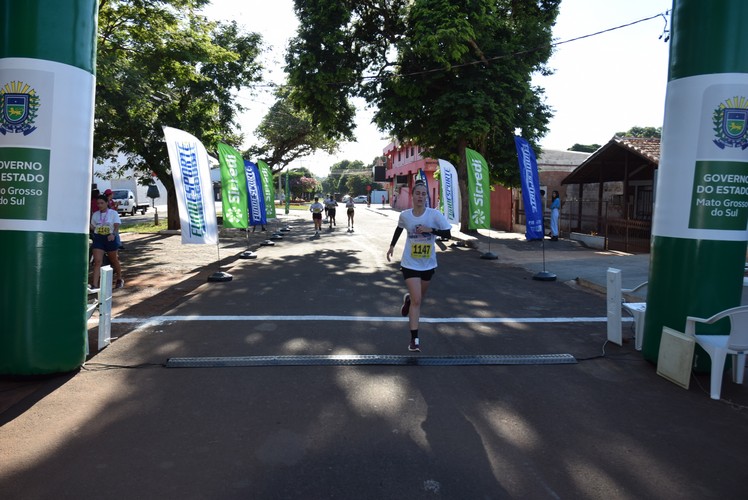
172,211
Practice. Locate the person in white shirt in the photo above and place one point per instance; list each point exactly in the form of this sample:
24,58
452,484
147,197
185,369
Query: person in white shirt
350,210
418,263
105,224
316,208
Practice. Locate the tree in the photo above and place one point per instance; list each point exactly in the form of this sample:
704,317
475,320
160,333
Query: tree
445,74
339,173
584,148
646,132
287,134
301,182
161,63
356,184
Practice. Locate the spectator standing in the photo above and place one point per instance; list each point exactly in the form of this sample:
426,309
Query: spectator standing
555,211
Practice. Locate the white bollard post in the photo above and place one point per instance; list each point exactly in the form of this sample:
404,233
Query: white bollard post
614,306
105,307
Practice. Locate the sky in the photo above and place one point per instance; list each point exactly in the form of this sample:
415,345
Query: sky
601,85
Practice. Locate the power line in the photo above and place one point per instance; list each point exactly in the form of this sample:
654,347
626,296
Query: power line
504,56
522,52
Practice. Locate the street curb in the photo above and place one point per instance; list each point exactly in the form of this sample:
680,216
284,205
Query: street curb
627,297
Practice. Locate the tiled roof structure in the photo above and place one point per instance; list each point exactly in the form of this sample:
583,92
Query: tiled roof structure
634,158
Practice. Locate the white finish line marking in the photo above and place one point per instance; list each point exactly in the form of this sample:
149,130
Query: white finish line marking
154,320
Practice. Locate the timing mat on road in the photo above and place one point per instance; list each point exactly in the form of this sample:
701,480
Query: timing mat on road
155,320
370,359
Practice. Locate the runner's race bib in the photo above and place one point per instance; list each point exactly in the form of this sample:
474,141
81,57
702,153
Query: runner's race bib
420,250
104,230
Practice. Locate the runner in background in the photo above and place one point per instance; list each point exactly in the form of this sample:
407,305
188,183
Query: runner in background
105,227
330,204
350,210
317,208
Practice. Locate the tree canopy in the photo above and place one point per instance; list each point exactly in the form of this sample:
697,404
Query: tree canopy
646,132
445,74
301,182
584,148
162,63
287,134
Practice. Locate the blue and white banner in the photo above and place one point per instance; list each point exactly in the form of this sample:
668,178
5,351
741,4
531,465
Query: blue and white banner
421,176
450,192
190,167
528,172
255,195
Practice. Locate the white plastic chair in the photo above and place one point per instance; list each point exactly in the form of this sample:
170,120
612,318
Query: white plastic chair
637,310
719,346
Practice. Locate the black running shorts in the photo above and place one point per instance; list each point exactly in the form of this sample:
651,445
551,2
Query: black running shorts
412,273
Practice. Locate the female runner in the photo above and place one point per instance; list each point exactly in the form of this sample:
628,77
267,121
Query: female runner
418,262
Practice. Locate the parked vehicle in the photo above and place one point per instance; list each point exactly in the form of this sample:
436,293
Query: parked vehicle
128,202
360,199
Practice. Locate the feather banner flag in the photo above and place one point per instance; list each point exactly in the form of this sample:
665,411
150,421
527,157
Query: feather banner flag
450,189
479,191
190,167
255,195
528,172
267,188
233,187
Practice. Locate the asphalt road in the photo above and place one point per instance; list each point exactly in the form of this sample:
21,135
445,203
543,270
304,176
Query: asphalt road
603,428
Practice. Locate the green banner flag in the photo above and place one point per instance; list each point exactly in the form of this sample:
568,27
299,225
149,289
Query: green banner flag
479,192
233,187
267,188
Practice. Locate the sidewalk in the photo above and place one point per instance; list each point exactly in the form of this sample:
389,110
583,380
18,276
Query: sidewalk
568,260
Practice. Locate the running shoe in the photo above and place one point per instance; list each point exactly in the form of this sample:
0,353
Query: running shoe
414,345
405,309
120,284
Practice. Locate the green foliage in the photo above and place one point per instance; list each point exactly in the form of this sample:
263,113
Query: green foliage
356,184
161,63
584,148
646,132
340,172
449,74
301,182
287,134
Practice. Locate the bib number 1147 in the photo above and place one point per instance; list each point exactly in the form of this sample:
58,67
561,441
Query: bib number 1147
420,251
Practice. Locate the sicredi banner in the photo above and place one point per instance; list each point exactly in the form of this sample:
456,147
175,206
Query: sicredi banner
190,167
233,187
528,173
255,196
450,199
268,188
478,191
